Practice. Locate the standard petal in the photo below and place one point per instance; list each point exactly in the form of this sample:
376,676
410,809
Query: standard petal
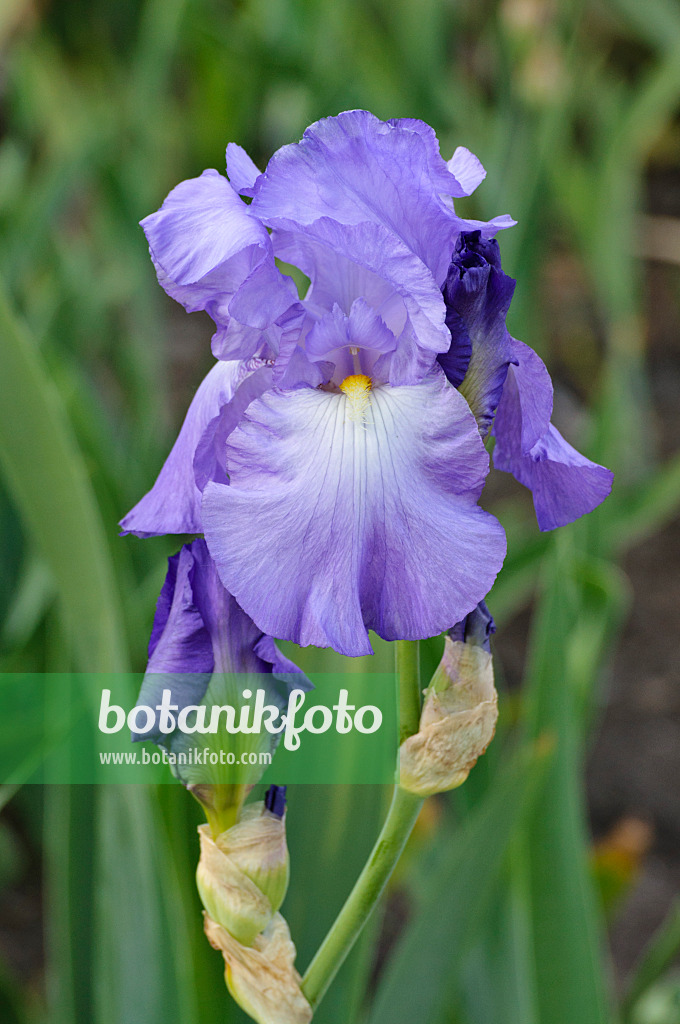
206,246
173,505
339,519
355,168
456,177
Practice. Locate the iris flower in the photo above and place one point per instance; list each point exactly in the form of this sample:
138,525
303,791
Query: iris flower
334,455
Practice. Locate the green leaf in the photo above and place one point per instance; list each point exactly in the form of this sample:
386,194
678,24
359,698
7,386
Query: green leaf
48,479
656,959
565,914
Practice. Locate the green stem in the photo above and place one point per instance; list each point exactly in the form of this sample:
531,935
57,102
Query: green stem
408,672
360,903
399,823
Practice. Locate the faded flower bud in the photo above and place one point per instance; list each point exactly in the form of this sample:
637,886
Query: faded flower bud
242,875
262,978
459,714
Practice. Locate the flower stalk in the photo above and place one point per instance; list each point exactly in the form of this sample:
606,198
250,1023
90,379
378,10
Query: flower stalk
367,891
401,818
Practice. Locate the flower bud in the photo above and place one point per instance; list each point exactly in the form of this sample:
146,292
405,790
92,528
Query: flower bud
257,845
242,875
261,977
459,714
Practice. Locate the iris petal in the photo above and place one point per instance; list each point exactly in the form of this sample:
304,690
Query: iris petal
209,456
340,519
241,170
467,168
173,505
565,484
477,295
356,168
206,246
199,629
346,262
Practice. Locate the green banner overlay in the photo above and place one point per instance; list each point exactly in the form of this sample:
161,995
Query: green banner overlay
239,729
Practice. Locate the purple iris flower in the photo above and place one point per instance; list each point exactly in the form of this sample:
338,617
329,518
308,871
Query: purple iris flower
334,455
199,633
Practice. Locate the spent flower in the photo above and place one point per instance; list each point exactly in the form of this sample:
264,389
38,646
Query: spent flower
205,653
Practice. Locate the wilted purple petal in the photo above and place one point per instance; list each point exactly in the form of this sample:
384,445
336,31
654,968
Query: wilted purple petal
180,642
476,628
199,629
341,517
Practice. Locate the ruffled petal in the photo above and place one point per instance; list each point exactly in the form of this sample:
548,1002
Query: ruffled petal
200,226
206,246
173,505
342,517
241,170
353,168
456,177
467,169
565,484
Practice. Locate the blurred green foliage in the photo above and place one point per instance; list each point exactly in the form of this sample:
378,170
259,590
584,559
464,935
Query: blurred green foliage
103,108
